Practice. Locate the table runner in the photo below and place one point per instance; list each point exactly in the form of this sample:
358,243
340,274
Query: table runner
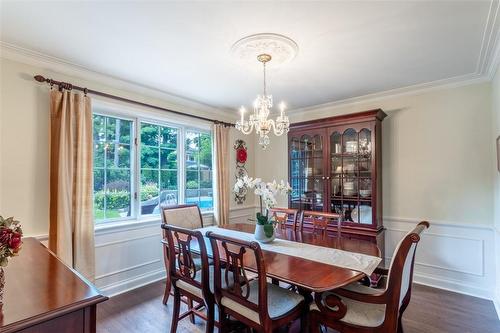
335,257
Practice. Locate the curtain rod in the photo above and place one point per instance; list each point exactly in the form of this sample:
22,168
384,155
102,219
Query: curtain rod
69,86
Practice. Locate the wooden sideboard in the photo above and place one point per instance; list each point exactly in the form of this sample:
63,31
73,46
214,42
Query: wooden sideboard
43,295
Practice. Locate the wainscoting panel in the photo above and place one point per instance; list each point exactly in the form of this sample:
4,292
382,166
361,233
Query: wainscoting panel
130,256
451,256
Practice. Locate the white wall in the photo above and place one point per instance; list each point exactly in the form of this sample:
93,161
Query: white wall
24,165
496,174
436,166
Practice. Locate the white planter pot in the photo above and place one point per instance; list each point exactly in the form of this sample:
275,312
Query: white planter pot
260,235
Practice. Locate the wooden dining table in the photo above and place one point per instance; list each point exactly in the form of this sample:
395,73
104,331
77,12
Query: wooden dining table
309,275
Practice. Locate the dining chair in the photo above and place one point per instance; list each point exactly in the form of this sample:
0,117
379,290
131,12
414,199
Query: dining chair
187,279
320,221
282,215
185,216
257,303
357,308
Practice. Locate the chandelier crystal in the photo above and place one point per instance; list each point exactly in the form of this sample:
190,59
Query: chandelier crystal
261,108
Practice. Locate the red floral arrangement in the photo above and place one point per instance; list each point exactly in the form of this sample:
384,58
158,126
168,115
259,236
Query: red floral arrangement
10,239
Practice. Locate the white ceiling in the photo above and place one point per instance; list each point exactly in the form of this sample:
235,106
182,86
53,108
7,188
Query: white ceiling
346,49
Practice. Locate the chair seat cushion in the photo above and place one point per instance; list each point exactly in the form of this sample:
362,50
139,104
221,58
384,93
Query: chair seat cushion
360,313
280,301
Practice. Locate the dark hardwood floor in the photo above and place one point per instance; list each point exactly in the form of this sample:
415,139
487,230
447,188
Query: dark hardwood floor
431,310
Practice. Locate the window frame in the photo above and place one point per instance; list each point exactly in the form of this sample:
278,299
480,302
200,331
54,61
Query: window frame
138,116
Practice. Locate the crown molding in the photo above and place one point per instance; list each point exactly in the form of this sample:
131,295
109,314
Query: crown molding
58,65
416,89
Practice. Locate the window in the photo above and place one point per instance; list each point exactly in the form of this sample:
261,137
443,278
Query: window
199,169
112,167
159,173
126,187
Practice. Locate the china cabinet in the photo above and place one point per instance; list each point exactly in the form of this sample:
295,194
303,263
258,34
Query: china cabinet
335,166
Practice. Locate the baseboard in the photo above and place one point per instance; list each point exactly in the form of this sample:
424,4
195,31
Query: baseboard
453,286
133,283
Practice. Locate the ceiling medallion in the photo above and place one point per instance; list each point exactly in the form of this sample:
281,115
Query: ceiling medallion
280,47
265,50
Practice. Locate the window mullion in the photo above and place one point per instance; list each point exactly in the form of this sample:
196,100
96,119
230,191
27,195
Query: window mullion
159,165
105,159
199,169
181,165
137,169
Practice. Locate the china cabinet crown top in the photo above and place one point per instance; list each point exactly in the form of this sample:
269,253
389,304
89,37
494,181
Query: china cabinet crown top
370,115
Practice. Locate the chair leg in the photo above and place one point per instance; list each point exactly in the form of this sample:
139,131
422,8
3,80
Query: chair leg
168,287
304,321
175,314
190,305
400,324
313,323
210,318
223,322
406,301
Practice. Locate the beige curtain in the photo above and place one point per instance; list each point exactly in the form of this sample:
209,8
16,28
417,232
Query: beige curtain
71,232
221,202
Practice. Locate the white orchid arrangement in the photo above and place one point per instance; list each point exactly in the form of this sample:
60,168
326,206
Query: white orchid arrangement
266,191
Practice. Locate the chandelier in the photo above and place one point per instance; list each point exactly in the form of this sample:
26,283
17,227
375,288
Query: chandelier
261,108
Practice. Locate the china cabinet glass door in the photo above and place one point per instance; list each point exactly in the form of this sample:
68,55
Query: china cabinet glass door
350,179
307,174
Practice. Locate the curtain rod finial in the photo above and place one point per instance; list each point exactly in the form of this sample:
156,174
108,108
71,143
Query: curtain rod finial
40,78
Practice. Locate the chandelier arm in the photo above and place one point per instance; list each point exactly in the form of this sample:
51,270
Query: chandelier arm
278,128
247,128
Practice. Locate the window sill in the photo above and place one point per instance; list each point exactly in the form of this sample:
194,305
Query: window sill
118,226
